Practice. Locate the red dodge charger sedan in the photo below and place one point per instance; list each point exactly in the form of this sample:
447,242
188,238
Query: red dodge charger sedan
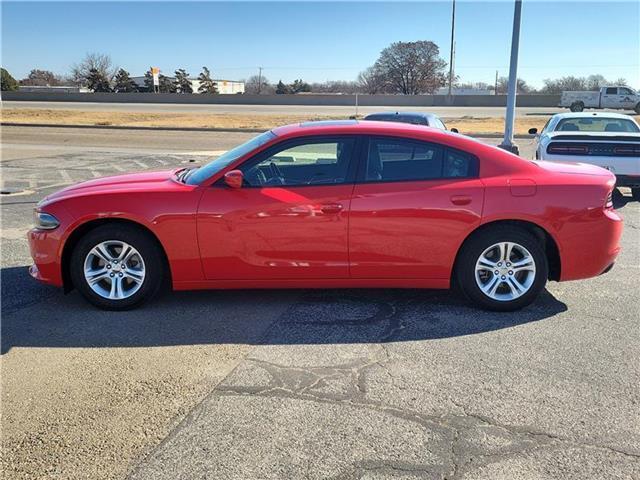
334,204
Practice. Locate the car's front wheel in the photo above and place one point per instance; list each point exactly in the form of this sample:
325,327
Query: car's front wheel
117,267
503,268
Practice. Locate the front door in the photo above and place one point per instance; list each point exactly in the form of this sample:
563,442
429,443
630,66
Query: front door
289,220
412,207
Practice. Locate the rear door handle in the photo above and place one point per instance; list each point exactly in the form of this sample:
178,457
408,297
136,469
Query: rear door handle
460,199
331,208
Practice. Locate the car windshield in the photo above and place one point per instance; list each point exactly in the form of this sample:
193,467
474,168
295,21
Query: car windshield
596,124
201,174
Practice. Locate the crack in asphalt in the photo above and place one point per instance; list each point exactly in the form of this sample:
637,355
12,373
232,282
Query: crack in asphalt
454,426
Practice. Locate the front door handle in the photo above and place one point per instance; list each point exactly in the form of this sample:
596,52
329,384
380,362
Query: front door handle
460,199
331,208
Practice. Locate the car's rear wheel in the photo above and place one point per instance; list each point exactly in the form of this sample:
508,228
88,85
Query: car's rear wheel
117,267
635,193
577,107
502,268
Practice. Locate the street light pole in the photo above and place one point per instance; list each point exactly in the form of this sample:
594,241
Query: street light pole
453,26
259,80
507,142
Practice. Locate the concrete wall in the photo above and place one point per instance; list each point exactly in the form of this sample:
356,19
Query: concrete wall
304,99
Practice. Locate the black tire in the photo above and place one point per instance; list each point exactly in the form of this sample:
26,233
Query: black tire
474,247
637,109
138,239
635,193
577,107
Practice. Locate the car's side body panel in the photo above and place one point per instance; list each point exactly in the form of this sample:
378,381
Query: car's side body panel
411,229
274,232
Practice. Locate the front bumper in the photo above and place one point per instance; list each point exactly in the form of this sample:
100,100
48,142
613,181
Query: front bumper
45,252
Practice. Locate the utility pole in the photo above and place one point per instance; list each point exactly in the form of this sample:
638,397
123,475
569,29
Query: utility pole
259,80
453,26
495,91
507,142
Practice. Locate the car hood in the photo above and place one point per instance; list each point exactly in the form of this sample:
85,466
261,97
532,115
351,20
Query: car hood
114,184
573,168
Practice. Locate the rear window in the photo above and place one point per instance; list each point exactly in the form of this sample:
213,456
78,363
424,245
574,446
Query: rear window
596,124
394,160
392,117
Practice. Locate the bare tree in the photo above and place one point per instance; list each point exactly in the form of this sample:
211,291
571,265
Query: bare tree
257,84
521,86
41,78
99,62
565,83
371,81
411,68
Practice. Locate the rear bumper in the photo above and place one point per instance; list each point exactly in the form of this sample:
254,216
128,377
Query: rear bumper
592,248
631,181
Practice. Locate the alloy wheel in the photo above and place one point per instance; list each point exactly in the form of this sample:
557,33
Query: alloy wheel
114,270
505,271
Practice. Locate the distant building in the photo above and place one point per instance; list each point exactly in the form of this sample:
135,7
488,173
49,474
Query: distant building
51,89
463,91
224,86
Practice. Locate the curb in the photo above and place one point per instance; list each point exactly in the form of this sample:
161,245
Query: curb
201,129
123,127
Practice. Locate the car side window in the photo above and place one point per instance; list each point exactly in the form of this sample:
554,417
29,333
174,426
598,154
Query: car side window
624,91
611,91
314,162
399,159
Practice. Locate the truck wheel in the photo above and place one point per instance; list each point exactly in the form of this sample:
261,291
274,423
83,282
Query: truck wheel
637,109
577,107
635,193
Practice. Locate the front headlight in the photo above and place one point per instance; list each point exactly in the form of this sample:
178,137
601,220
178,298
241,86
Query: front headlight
45,221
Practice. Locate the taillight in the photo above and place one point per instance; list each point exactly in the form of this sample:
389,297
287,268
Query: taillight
627,150
609,202
568,149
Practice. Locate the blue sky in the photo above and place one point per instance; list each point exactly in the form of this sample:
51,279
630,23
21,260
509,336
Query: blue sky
322,41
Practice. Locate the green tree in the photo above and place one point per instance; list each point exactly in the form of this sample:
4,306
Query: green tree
166,85
8,83
207,85
281,88
182,82
97,81
148,81
299,86
123,82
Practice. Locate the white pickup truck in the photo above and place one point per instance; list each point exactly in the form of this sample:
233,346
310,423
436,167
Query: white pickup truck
623,98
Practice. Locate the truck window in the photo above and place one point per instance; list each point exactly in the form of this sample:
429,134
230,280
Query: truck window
625,91
611,91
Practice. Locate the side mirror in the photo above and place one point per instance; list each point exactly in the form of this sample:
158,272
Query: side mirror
454,130
234,178
533,131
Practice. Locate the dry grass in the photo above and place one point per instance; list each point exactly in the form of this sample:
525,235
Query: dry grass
466,125
131,119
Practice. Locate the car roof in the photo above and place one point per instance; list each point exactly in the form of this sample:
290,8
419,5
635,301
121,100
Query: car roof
622,116
335,127
403,114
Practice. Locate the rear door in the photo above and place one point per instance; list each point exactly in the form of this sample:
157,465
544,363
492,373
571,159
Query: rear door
414,203
611,98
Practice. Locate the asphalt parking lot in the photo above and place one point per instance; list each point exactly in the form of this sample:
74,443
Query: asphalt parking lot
303,384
